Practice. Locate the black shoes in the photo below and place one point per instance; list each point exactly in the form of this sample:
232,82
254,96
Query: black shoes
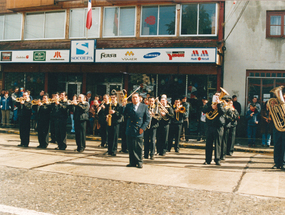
140,166
21,145
57,148
131,165
151,157
218,163
114,155
276,167
206,163
41,147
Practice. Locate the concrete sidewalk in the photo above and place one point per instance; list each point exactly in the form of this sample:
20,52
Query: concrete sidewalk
241,143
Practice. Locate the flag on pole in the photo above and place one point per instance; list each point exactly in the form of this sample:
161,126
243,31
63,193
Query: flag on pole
89,15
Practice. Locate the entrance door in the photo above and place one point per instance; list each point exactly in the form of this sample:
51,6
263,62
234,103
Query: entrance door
72,89
106,88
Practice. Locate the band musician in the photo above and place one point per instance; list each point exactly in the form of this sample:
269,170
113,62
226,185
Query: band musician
114,113
24,113
166,113
102,121
150,132
215,130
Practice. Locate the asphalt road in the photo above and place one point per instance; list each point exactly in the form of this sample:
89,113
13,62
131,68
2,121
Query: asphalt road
37,181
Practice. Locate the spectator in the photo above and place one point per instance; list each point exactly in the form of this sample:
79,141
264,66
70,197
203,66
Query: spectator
74,98
88,97
6,106
252,116
236,104
202,128
265,126
257,105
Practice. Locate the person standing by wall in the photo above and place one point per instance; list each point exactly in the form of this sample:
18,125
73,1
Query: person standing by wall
6,105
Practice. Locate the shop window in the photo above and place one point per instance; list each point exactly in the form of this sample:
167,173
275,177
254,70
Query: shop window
119,21
278,74
257,74
77,24
267,74
10,27
267,85
199,20
273,75
42,25
33,82
275,24
146,81
158,20
262,74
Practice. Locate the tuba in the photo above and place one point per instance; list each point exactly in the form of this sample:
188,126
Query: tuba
213,114
276,108
121,95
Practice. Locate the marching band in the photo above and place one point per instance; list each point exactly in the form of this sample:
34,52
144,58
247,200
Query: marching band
165,122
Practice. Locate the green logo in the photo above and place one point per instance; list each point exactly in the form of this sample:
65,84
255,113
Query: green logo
39,56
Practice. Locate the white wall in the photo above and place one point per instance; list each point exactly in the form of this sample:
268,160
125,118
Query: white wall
247,47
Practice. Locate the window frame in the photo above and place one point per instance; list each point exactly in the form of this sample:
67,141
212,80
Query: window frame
21,28
64,30
174,35
199,35
275,13
119,17
84,17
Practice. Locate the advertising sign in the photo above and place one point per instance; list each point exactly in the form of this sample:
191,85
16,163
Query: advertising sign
6,56
157,55
82,51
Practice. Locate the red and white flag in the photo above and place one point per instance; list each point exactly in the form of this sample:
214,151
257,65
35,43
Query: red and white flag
89,15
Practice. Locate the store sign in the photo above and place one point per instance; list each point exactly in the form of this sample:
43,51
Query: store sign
82,51
157,55
37,56
6,56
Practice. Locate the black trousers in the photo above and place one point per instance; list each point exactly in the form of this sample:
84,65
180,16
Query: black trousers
104,133
231,140
60,132
149,142
43,133
162,139
185,127
80,134
174,132
52,129
113,135
279,147
124,145
24,130
224,144
214,136
135,146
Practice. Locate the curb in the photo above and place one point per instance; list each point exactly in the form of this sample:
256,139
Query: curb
182,144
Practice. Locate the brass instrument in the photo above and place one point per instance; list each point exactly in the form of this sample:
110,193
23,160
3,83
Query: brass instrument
154,113
163,109
213,114
53,100
35,102
276,108
109,116
121,95
133,93
71,102
20,99
181,109
99,108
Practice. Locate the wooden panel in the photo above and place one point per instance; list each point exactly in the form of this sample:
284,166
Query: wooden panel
13,4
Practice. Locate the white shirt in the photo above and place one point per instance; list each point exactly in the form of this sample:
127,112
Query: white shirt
136,106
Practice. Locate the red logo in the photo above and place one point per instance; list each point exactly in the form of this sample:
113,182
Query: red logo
150,20
27,56
57,55
175,54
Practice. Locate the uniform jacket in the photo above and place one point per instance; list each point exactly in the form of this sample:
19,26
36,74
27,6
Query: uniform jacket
24,110
231,117
117,117
60,111
81,111
167,118
220,119
154,123
136,120
181,117
43,112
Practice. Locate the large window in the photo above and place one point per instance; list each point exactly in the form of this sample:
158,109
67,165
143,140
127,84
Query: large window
77,23
45,25
158,20
275,24
119,21
199,20
10,27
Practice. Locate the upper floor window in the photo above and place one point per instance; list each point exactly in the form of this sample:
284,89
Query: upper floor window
158,20
199,19
77,24
275,24
10,27
45,25
119,21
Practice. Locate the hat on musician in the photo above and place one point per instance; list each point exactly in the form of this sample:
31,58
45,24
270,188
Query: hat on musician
163,96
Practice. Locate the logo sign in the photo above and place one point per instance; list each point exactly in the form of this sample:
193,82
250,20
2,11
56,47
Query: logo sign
201,55
39,56
104,55
130,58
82,51
57,56
129,53
171,55
151,55
6,56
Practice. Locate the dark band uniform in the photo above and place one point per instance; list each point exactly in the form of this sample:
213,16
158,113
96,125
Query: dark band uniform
80,116
24,114
113,129
150,135
103,126
215,132
43,113
232,132
163,131
136,119
175,129
60,113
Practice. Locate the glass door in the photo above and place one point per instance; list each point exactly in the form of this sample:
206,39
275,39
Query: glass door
73,89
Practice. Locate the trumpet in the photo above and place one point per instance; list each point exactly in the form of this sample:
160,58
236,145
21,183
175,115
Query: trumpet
35,102
20,99
71,102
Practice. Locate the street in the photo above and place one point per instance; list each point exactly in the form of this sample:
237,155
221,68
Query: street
47,181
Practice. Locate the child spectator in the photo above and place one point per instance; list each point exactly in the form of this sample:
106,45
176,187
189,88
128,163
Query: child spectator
252,117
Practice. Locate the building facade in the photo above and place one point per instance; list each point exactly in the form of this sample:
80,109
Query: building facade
171,47
255,52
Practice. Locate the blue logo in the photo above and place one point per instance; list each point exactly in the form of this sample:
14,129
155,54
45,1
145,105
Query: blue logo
152,55
82,48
